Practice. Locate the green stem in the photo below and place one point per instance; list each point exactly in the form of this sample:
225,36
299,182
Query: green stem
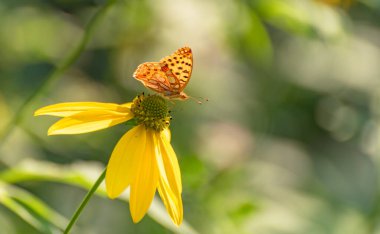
69,60
84,202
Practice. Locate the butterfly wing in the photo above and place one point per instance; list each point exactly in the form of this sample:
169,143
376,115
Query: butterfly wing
180,63
169,76
157,77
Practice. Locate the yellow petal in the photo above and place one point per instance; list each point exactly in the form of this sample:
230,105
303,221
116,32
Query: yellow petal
128,104
166,132
88,121
72,108
170,187
125,159
145,184
172,201
170,163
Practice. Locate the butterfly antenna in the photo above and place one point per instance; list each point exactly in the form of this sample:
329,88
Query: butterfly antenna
204,99
198,100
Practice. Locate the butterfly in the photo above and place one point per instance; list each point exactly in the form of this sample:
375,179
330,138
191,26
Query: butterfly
169,76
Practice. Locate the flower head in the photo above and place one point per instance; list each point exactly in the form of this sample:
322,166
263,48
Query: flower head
143,159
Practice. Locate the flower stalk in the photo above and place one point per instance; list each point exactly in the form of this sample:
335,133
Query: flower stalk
85,201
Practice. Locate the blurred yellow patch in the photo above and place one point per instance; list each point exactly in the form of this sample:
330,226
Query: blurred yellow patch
343,3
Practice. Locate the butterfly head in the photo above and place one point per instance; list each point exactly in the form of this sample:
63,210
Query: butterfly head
183,96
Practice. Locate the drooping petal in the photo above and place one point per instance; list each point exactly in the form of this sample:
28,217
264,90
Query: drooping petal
125,159
71,108
145,184
88,121
168,188
170,163
172,201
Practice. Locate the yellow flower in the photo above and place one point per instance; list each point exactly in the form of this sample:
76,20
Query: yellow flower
143,159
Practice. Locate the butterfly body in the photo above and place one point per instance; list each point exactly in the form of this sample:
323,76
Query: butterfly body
168,77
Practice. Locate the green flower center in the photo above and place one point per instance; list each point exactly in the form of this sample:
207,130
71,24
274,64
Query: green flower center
152,111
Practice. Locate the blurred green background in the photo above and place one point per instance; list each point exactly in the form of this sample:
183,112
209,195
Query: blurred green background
288,143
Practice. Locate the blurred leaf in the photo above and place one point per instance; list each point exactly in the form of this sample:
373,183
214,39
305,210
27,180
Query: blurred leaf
251,38
243,211
259,40
32,210
286,16
82,175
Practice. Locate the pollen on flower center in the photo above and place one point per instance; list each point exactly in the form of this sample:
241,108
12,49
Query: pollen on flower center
152,111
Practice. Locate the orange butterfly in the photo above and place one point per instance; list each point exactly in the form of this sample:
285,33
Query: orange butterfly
169,76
